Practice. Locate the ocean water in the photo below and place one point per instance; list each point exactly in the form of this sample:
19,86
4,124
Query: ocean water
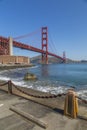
53,78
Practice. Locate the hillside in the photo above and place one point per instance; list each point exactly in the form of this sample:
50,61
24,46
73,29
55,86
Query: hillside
37,60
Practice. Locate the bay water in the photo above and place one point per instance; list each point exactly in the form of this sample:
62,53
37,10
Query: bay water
52,78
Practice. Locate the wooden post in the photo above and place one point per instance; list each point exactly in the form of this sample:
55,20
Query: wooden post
71,104
9,87
29,117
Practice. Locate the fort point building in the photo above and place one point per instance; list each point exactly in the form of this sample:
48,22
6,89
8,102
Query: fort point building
6,53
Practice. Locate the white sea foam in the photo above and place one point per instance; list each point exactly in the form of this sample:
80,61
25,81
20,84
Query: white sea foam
60,89
49,89
34,67
83,94
22,84
3,71
4,78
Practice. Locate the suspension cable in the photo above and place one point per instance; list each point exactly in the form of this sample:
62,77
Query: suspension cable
52,44
27,35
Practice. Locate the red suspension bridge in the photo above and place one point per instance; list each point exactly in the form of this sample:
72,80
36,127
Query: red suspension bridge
5,48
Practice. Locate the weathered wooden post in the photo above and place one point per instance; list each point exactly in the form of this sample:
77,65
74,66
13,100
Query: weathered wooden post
9,87
71,104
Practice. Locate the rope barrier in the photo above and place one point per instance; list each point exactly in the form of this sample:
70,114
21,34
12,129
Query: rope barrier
41,96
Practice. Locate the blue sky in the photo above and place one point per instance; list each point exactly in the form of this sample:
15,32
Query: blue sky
66,21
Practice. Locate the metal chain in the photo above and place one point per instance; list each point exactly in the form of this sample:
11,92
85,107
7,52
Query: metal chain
38,96
83,100
51,96
3,84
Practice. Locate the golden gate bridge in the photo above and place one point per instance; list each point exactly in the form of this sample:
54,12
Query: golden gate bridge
7,43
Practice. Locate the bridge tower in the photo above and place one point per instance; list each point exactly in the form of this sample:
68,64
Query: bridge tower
45,45
6,46
64,56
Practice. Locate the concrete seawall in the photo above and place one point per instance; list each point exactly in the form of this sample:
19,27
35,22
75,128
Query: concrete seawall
6,67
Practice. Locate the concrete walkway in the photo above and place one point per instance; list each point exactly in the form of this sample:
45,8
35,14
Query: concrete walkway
54,117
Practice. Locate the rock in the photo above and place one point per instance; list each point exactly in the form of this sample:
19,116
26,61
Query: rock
29,76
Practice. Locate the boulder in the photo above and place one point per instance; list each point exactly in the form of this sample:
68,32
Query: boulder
30,76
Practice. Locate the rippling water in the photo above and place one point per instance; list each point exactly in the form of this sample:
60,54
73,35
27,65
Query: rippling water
54,78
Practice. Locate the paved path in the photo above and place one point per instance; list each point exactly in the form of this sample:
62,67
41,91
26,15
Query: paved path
53,116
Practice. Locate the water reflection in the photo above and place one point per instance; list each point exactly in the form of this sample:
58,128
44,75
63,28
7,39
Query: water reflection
44,70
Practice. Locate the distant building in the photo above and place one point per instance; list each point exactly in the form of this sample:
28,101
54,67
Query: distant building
7,59
6,53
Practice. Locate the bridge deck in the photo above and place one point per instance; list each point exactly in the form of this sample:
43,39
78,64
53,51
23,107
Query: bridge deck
28,47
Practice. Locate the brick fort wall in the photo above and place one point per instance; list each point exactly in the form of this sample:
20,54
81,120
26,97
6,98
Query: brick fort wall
6,59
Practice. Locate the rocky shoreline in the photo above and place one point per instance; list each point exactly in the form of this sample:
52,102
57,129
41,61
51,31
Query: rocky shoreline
6,67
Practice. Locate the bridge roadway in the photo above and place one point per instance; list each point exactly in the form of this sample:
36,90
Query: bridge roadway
27,47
